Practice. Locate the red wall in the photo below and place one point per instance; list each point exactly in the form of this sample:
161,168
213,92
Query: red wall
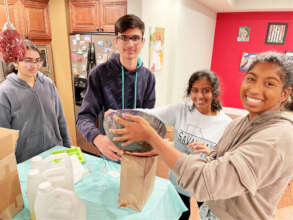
227,52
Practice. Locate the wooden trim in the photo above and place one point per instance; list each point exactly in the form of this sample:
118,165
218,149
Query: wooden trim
33,1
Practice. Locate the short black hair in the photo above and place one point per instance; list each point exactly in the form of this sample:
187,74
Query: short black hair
128,21
213,79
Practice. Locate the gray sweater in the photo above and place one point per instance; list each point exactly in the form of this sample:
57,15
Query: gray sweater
245,177
36,112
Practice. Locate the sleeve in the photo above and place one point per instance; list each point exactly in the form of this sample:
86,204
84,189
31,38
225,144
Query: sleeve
166,114
254,164
149,100
5,110
61,121
90,108
5,115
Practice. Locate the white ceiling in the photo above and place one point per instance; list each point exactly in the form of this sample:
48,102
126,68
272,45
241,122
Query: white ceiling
247,5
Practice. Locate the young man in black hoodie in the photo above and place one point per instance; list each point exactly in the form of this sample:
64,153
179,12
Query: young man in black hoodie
120,83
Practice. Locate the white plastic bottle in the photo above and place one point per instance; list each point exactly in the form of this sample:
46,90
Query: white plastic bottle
60,174
37,163
58,203
34,178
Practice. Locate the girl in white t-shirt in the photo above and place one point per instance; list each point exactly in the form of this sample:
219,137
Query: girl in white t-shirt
199,119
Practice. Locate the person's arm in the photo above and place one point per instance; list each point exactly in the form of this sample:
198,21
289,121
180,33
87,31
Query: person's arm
90,109
167,114
140,130
5,109
254,164
149,99
89,112
5,116
62,121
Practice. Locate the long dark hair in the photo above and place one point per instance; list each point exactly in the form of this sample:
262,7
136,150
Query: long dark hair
213,79
286,73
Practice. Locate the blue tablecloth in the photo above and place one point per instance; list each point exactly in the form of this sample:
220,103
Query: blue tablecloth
100,192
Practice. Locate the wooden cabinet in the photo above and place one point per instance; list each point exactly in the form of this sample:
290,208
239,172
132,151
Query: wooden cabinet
30,18
95,15
110,12
84,16
36,18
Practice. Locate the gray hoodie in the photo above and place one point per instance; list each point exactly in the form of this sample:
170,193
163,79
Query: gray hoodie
245,177
36,112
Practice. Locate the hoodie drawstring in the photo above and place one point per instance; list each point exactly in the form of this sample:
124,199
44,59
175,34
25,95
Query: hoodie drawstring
135,88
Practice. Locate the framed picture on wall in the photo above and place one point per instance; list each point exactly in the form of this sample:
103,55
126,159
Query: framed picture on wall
276,33
246,60
243,34
47,66
289,53
44,56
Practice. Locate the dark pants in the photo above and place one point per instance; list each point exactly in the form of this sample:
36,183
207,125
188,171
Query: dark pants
186,200
199,204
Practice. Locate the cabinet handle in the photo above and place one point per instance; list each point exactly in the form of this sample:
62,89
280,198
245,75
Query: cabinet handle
102,29
99,29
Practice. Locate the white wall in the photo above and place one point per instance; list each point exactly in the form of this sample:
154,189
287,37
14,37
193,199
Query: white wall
189,34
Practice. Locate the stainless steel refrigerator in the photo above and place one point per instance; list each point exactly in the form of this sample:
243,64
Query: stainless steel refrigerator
87,51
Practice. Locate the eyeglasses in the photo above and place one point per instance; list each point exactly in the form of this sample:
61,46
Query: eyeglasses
126,38
31,61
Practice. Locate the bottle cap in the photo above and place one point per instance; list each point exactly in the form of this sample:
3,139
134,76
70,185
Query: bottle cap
33,172
45,187
36,162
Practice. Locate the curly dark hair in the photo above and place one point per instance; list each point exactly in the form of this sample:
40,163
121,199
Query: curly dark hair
213,79
286,73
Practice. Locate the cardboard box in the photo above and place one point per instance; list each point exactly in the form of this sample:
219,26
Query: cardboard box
11,201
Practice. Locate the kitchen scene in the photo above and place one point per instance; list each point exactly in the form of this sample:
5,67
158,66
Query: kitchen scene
76,180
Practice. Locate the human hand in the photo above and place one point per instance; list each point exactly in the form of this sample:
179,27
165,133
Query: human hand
137,129
109,111
200,147
107,148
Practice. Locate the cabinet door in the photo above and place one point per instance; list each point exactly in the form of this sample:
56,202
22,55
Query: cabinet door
13,14
84,16
110,12
36,17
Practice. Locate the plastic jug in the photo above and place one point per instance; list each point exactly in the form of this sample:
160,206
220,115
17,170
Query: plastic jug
60,174
34,178
58,204
37,163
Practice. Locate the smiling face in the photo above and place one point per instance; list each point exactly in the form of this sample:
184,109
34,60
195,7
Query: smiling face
262,89
202,96
130,48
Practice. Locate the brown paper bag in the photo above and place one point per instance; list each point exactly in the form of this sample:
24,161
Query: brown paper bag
11,201
136,180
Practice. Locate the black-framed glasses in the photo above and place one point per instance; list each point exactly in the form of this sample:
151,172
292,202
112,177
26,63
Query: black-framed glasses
126,38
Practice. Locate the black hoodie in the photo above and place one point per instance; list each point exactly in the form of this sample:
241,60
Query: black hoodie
105,92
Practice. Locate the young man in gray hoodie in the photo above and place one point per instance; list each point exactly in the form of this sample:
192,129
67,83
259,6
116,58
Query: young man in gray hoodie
29,102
